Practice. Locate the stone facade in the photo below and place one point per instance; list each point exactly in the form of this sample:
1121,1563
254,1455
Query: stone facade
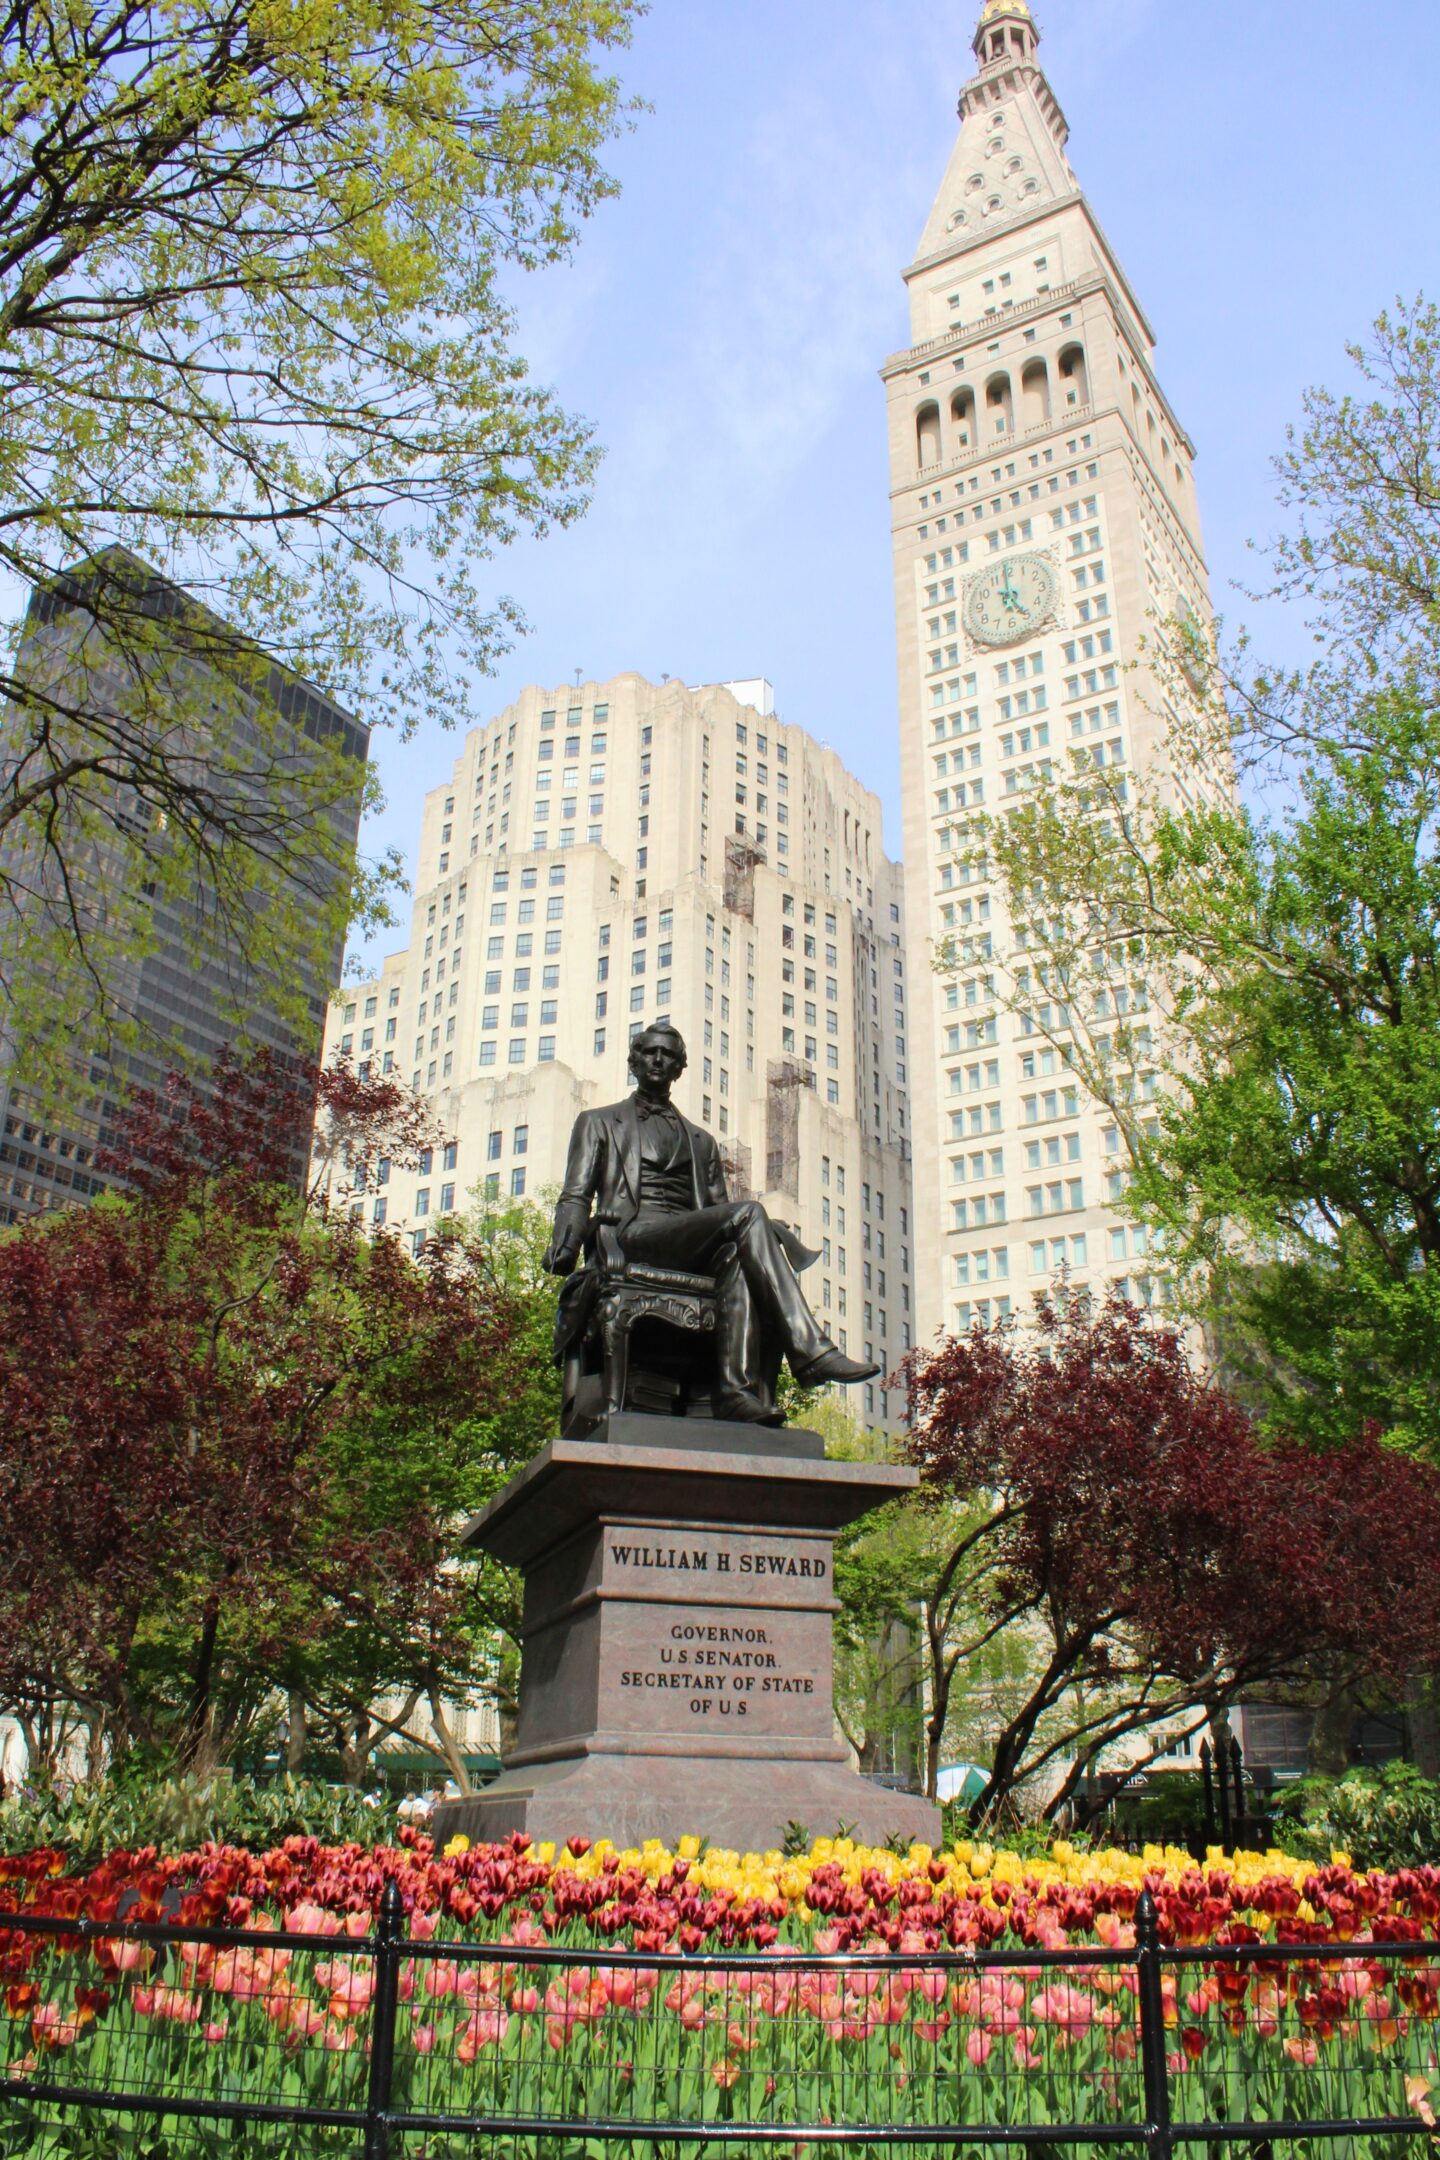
1027,429
627,851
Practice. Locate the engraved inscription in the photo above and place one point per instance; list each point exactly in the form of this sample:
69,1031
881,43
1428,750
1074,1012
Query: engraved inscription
685,1649
725,1563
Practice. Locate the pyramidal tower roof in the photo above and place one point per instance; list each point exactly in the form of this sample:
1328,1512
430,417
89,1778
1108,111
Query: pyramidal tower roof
1009,160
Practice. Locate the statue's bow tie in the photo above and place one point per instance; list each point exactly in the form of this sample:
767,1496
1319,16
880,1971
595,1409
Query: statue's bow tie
644,1109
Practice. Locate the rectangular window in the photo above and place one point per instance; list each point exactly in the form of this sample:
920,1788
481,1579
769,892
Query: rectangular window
447,1199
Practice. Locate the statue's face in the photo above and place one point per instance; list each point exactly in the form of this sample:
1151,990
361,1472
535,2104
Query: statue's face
657,1061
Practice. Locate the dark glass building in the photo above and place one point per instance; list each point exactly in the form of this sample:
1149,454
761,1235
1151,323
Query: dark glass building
183,998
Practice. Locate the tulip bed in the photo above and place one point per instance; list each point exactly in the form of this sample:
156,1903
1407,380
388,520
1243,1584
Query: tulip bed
697,1988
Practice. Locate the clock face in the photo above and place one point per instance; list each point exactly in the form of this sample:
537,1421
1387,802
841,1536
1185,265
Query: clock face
1011,601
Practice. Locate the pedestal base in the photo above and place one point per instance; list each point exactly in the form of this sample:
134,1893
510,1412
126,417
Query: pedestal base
743,1804
675,1677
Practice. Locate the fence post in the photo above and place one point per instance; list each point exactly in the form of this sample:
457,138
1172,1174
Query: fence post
1152,2028
389,1938
1207,1775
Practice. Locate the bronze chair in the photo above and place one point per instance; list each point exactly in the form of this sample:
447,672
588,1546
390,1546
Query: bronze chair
667,1368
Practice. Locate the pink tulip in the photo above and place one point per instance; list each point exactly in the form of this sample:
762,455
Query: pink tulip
486,2029
977,2046
1027,2057
125,1957
310,1919
1068,2007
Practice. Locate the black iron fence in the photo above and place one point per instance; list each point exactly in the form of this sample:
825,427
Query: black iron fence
157,2041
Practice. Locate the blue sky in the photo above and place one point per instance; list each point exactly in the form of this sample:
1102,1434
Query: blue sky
1265,168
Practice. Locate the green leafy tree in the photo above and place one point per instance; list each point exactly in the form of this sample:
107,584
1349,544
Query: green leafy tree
882,1565
255,338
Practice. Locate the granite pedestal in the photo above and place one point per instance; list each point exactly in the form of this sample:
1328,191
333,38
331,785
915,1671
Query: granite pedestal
675,1673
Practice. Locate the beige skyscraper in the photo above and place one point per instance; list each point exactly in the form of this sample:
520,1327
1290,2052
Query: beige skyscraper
622,852
1044,514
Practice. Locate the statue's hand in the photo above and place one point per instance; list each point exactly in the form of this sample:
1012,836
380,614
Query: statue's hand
559,1257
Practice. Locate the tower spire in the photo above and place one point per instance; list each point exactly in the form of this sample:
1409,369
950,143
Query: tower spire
1006,34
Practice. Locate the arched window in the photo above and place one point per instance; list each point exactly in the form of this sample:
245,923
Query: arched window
1074,376
962,417
1035,394
927,436
999,406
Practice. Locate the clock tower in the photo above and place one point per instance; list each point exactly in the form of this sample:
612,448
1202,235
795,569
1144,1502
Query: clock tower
1044,514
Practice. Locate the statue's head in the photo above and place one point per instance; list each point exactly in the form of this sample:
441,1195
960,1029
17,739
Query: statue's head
657,1055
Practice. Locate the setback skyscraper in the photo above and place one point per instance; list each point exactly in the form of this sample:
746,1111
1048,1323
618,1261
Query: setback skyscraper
1044,515
626,852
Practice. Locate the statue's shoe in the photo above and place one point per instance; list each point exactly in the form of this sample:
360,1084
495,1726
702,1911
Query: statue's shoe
830,1366
743,1408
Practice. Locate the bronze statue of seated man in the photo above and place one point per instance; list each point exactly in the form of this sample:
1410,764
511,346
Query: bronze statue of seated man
643,1168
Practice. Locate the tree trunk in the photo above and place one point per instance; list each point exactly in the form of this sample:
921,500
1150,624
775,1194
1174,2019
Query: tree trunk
355,1746
197,1715
1328,1753
447,1741
297,1735
96,1750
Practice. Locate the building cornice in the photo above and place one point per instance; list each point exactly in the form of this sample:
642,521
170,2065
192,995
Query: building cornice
1010,78
994,326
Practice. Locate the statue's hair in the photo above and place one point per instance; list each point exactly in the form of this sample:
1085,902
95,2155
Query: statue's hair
660,1027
